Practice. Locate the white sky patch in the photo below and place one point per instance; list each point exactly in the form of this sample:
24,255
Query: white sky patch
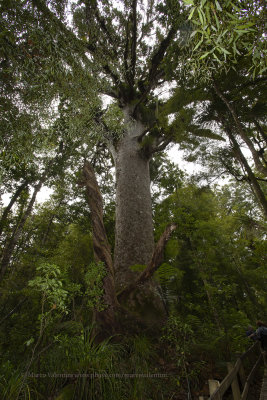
176,156
5,199
44,194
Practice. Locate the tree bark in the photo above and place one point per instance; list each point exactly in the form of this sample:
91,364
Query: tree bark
154,263
134,244
102,252
134,224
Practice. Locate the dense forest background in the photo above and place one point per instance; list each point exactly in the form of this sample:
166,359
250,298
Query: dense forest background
132,266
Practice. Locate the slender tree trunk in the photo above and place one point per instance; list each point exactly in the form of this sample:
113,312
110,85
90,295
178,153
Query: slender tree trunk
49,225
134,224
9,248
256,187
260,130
247,289
10,205
241,132
259,194
214,310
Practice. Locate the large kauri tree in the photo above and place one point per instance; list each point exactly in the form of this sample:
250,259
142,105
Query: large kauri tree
134,48
127,50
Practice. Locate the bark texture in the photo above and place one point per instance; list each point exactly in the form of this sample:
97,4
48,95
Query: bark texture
101,247
134,224
134,244
140,304
153,265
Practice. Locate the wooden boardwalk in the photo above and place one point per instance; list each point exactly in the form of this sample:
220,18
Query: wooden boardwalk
240,381
263,395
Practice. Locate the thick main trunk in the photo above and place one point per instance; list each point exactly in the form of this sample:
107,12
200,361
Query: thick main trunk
134,225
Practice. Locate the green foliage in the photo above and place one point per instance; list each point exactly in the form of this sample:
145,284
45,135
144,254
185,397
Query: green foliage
94,285
181,338
11,382
48,282
224,32
219,240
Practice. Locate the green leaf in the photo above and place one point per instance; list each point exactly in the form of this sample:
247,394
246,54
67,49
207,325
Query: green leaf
201,16
29,342
191,13
204,55
138,267
214,55
194,33
217,21
248,25
238,30
262,70
218,5
225,51
198,44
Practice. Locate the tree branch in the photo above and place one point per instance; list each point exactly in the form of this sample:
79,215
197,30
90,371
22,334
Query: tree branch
162,146
260,130
105,30
126,51
113,76
134,39
154,73
69,35
13,310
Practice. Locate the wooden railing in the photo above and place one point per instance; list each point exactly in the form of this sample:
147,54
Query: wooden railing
236,377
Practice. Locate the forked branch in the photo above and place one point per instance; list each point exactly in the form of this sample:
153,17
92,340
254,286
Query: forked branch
153,265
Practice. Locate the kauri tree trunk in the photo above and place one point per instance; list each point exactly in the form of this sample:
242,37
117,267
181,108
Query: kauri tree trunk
134,244
134,225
